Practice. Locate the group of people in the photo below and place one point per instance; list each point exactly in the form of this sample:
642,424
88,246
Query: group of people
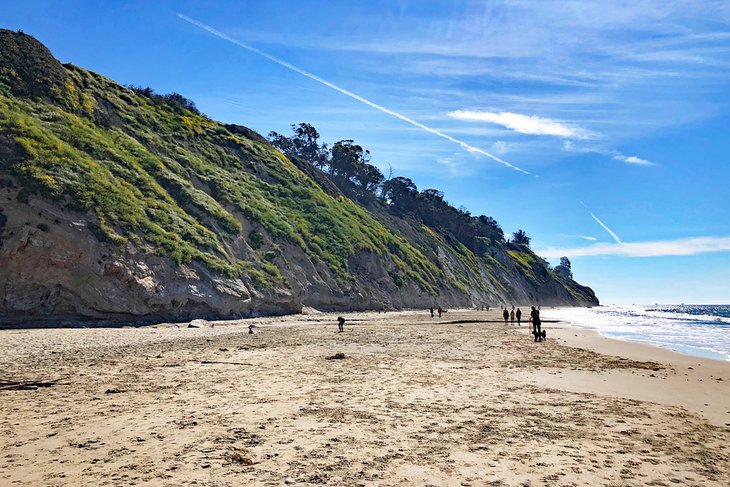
509,316
439,310
535,322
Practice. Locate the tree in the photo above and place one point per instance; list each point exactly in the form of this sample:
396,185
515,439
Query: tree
563,269
521,238
347,158
369,177
400,193
283,143
433,195
490,228
304,144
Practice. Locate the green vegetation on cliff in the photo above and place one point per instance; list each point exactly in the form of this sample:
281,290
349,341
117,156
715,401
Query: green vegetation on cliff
157,175
161,174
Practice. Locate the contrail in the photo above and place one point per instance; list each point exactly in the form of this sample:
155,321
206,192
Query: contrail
359,98
610,232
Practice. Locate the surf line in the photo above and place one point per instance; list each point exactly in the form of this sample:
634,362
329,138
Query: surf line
426,128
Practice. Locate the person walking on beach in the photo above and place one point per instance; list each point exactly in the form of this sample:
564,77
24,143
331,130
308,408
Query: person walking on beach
518,314
505,314
536,324
431,311
341,324
440,310
512,316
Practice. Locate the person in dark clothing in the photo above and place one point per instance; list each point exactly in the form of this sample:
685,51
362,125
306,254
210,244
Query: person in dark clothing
518,314
431,311
505,314
341,323
440,310
536,324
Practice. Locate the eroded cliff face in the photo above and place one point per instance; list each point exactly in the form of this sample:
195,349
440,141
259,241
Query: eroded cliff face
55,271
122,206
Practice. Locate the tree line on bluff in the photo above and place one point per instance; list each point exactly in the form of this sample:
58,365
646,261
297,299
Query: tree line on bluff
348,165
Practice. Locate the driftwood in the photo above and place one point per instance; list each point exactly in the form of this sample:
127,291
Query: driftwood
24,385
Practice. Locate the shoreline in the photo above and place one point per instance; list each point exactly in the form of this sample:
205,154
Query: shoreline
464,400
696,377
680,348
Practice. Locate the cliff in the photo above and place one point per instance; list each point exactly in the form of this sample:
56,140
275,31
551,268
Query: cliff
120,205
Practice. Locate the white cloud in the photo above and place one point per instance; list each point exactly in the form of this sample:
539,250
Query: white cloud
658,248
523,124
584,237
633,160
615,155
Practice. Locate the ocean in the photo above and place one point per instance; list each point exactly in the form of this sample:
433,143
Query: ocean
699,330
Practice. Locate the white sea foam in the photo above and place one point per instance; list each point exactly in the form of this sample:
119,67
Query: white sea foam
693,330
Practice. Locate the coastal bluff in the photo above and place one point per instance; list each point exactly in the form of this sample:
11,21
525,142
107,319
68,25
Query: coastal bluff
120,205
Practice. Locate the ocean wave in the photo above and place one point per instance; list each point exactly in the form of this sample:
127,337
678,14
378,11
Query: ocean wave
693,330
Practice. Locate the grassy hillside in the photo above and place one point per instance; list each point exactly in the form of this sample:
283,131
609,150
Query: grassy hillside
164,176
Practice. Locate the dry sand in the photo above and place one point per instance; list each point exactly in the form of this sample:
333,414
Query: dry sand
415,401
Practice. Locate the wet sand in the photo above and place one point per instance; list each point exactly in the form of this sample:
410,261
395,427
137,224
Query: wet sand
461,400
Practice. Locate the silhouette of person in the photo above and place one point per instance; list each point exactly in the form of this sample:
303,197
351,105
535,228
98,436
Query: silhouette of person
440,310
505,314
512,317
536,324
431,311
518,314
341,323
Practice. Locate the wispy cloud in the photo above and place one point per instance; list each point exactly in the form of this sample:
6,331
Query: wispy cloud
643,63
584,237
501,147
613,154
523,124
638,161
657,248
352,95
454,166
620,69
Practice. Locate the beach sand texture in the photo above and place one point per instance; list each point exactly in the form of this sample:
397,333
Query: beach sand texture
415,401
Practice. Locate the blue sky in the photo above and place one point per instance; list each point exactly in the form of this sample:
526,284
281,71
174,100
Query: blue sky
620,111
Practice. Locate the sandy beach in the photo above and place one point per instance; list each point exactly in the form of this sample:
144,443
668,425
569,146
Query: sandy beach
462,400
